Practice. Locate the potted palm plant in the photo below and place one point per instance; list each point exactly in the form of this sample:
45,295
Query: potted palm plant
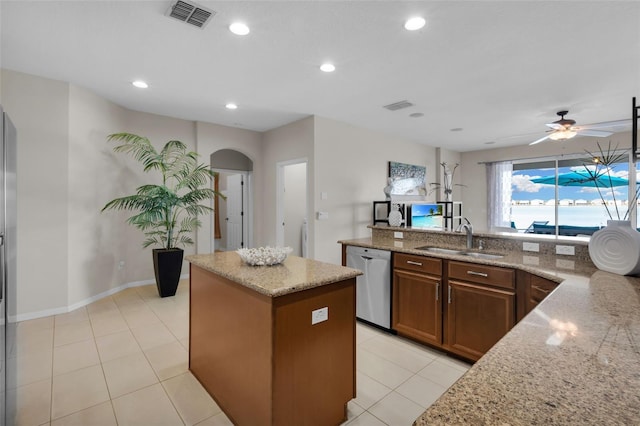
167,213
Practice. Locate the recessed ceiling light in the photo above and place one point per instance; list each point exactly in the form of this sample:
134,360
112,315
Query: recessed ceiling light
416,115
327,67
490,143
456,129
239,28
140,84
414,23
231,106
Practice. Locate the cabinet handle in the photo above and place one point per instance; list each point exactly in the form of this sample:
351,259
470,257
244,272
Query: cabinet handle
479,274
411,262
545,291
449,294
437,291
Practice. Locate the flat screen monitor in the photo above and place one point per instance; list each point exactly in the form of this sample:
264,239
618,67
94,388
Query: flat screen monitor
426,215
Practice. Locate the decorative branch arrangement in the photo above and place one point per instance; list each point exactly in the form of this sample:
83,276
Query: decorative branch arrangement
600,173
447,183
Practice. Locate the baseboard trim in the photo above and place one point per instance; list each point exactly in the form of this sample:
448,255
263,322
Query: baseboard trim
65,309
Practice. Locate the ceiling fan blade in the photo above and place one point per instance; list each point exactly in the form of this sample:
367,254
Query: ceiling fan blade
590,132
555,126
544,138
607,124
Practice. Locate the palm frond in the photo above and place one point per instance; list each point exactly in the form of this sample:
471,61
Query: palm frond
166,213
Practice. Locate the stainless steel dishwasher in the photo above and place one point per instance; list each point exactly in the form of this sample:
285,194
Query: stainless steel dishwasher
373,288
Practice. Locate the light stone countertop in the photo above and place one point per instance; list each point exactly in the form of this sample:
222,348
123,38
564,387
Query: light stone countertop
554,268
575,359
293,275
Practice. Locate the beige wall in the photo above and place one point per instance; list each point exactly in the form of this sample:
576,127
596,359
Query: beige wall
70,253
96,241
351,166
474,193
290,142
39,110
214,137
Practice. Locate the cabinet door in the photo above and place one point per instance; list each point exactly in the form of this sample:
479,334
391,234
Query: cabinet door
477,317
417,310
537,289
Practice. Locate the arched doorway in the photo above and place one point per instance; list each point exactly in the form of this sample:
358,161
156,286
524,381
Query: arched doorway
232,218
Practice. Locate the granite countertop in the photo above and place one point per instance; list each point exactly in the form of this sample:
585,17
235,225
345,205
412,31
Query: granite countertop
551,267
575,359
294,274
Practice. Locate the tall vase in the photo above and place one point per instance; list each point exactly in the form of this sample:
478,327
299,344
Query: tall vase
616,248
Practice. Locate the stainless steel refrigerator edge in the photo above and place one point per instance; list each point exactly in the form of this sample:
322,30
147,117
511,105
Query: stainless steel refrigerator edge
373,288
8,261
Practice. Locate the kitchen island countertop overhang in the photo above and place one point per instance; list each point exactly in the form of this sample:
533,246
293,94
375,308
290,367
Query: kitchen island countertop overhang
292,275
278,339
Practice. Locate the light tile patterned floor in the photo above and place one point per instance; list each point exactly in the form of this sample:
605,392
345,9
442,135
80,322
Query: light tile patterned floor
123,361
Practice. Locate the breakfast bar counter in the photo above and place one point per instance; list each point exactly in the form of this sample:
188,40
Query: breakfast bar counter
273,345
574,359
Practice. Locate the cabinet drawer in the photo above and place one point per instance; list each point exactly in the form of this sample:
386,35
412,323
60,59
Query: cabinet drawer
410,262
482,274
540,288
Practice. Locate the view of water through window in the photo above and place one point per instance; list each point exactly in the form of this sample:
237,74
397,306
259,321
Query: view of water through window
581,202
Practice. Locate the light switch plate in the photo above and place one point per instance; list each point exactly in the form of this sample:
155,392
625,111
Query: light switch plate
567,250
530,246
319,315
323,215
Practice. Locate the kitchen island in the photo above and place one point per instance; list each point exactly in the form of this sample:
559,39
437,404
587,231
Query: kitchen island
273,345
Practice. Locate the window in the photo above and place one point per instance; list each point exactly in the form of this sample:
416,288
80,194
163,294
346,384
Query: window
550,196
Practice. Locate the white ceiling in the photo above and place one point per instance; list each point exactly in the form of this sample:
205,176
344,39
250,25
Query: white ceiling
498,69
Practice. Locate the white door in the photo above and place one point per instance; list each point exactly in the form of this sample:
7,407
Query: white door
234,212
295,207
291,202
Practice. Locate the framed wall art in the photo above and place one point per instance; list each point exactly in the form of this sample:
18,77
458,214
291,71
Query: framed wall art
407,179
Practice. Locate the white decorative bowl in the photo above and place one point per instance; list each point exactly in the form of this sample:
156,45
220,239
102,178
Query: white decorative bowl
264,256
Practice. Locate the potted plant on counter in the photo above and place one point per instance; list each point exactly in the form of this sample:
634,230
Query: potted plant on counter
166,212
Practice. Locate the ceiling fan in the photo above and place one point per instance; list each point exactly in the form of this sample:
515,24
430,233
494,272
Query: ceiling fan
566,128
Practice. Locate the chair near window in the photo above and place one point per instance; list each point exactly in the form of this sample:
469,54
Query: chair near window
531,229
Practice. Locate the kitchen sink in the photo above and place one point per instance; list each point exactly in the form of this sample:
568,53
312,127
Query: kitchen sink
482,255
440,250
475,254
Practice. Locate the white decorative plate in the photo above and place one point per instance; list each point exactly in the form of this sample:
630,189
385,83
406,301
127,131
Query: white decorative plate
264,256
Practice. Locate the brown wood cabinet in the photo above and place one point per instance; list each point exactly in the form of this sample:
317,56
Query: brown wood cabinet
263,360
477,317
536,289
464,308
481,307
417,307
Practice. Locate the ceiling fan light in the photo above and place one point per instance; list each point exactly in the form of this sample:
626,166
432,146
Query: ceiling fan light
562,135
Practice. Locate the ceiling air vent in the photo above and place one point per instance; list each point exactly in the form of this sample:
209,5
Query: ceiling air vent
190,13
398,105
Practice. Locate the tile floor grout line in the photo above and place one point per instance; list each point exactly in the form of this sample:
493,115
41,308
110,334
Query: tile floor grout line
175,314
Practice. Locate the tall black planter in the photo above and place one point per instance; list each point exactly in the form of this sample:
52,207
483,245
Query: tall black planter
167,264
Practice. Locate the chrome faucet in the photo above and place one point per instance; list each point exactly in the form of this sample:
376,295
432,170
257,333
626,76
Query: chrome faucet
468,228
